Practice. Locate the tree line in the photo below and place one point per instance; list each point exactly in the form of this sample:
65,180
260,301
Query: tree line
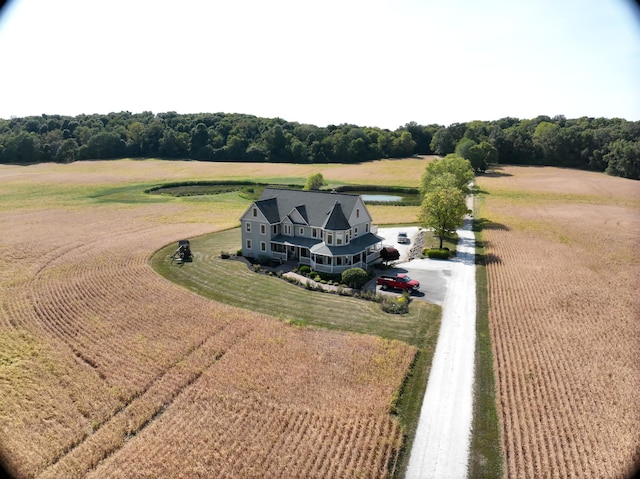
599,144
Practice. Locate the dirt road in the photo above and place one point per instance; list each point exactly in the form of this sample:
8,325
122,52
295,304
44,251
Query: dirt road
441,446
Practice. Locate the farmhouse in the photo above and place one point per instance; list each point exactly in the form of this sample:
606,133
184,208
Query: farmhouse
328,231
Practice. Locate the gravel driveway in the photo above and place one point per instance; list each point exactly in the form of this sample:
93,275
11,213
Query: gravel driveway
441,446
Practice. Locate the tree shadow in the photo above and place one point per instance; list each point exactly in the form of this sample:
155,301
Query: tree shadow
480,224
487,259
496,172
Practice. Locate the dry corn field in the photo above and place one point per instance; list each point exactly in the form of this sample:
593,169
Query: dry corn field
563,265
108,370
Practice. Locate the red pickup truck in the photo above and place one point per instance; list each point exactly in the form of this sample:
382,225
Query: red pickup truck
400,281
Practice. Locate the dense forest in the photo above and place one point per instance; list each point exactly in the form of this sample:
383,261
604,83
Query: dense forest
599,144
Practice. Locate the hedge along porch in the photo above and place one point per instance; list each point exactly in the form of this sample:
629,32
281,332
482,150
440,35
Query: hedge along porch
328,231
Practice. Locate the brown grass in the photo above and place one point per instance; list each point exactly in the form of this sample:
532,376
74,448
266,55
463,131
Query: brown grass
107,369
563,269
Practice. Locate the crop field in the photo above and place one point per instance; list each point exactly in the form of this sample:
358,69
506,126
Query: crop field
563,266
109,370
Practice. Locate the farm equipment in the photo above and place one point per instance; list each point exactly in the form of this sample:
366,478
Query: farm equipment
183,253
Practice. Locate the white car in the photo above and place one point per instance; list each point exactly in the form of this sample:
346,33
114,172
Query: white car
403,238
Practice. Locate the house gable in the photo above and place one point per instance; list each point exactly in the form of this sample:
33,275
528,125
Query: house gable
298,215
359,213
254,213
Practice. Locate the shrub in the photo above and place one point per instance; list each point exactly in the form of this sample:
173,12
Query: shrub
435,253
224,255
355,277
239,252
304,270
257,268
394,305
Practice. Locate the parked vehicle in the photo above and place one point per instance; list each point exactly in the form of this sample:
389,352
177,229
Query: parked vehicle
403,238
400,281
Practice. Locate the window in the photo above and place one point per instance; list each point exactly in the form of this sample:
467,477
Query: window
329,238
248,227
263,229
301,231
355,231
287,230
358,213
366,227
248,244
255,212
314,232
263,246
338,240
274,229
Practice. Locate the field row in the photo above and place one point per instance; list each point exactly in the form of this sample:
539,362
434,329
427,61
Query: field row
101,357
236,436
565,338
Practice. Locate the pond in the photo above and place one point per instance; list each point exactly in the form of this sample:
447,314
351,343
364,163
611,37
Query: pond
369,196
382,198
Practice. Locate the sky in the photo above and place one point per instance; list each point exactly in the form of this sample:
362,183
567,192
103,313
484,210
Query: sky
377,63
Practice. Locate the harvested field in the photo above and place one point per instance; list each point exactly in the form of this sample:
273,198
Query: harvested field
563,265
107,369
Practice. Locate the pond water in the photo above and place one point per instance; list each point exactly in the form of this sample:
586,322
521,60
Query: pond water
385,198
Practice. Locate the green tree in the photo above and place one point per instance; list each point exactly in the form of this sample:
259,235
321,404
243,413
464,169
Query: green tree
354,277
481,156
546,142
456,165
105,145
463,147
404,145
624,159
314,182
443,142
236,147
22,148
199,146
174,144
443,210
68,151
422,135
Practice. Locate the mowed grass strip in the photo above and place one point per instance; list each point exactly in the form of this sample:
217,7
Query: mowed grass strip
233,282
485,458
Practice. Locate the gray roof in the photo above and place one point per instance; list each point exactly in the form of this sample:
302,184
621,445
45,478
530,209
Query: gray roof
336,219
269,208
356,245
321,209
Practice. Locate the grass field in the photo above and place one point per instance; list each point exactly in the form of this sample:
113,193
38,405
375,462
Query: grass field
108,369
561,254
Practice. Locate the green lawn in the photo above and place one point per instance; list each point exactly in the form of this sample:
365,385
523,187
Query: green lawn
233,282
